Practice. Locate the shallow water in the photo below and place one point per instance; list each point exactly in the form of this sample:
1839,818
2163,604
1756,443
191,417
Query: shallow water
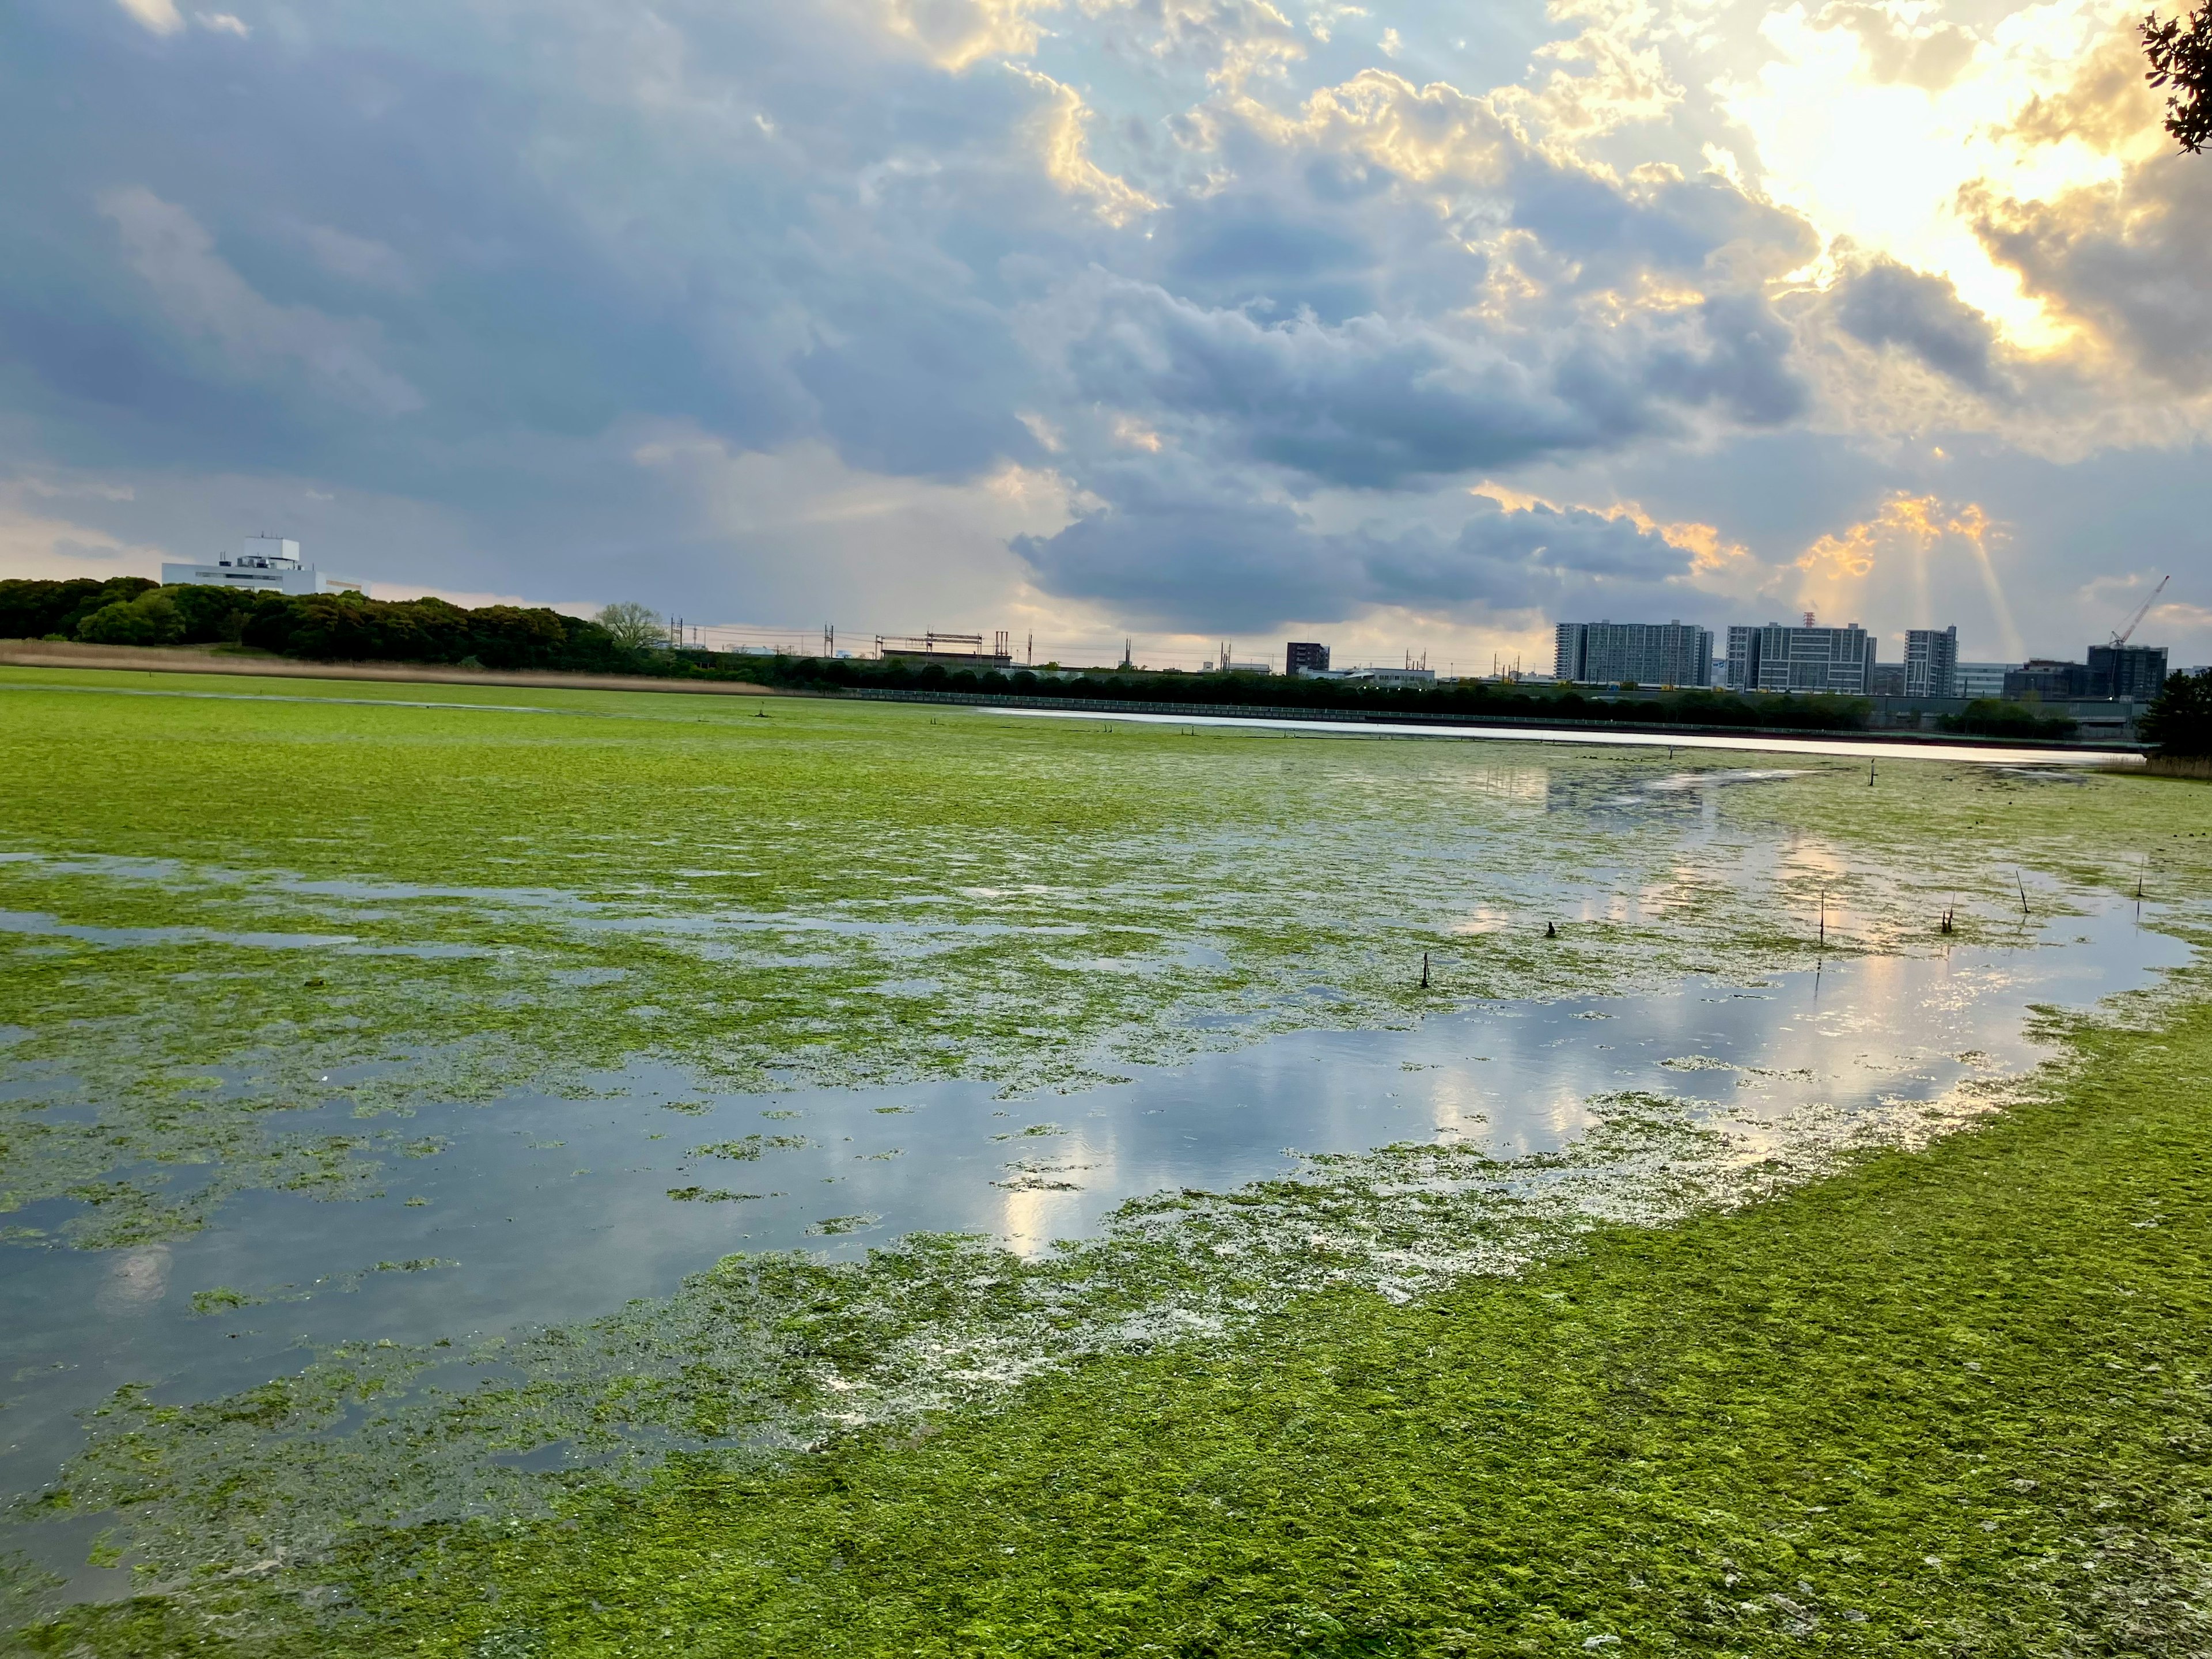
532,1209
1587,737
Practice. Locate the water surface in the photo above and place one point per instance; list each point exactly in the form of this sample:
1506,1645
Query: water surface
536,1209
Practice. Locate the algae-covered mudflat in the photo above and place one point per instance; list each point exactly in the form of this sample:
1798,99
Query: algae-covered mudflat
529,1171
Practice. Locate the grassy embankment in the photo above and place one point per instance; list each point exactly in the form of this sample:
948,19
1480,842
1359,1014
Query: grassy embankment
1953,1402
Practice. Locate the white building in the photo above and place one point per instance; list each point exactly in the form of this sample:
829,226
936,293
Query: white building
266,564
1419,678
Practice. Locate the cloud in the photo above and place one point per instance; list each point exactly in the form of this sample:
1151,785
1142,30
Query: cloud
1884,303
1898,548
1622,80
1896,50
956,33
361,260
1377,403
2107,106
2126,261
156,17
166,246
1067,157
1178,548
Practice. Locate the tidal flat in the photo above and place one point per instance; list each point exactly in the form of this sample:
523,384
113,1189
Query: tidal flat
810,1055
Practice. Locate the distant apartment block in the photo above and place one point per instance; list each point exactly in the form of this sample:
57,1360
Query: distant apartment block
1643,654
2136,671
1303,655
268,564
1982,680
1781,657
2133,672
1888,680
2049,680
1931,663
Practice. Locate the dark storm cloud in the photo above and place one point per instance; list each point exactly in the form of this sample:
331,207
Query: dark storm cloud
1377,403
1885,303
1181,551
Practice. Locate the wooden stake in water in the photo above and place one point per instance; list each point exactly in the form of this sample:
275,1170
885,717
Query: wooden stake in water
1424,970
1823,918
2022,880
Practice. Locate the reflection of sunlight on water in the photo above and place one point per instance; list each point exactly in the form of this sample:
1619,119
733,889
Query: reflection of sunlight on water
1485,919
1029,1219
136,1282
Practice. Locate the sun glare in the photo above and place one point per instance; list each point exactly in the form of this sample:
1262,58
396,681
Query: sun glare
1884,162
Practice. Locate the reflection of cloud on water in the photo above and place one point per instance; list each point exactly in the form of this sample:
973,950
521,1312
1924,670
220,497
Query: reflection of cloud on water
136,1282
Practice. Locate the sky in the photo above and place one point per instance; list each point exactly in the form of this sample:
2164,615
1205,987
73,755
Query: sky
1414,328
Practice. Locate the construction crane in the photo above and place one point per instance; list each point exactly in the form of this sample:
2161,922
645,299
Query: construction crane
2135,621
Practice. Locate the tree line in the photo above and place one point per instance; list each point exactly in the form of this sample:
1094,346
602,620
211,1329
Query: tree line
323,627
625,639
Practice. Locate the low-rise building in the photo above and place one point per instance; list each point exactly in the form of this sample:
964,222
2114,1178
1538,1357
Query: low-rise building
264,564
2047,680
1414,677
1976,680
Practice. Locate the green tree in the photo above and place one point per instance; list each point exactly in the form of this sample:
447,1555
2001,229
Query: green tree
150,619
2180,53
634,627
2179,719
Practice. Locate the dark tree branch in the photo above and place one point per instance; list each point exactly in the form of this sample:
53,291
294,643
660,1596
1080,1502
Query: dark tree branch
2181,66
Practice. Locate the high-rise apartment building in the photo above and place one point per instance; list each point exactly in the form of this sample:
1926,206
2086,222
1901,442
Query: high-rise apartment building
1302,655
1642,653
1779,657
1931,662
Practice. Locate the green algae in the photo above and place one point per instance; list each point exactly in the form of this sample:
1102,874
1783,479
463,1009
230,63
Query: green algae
491,901
766,1356
857,937
1955,1402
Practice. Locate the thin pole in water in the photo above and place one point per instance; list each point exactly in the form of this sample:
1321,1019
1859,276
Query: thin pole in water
2023,881
1424,970
1823,918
